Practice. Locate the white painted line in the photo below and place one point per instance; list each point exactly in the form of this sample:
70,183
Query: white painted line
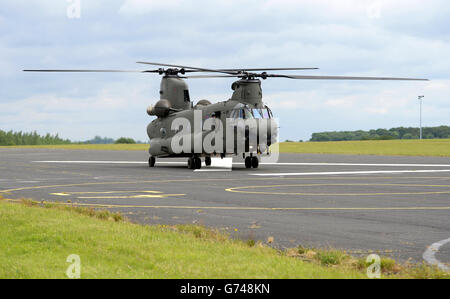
93,162
217,164
353,164
109,162
429,257
348,172
212,169
241,163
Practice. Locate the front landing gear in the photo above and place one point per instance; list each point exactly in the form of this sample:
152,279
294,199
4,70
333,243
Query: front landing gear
255,162
151,161
194,163
251,162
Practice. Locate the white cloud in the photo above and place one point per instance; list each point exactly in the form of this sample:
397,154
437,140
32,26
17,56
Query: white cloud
409,38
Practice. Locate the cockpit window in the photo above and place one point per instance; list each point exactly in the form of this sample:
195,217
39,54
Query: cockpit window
260,113
244,112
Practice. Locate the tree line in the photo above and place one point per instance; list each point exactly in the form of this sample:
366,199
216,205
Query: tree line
106,140
440,132
11,138
21,138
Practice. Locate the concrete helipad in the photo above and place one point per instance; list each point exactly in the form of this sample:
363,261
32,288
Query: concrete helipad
397,206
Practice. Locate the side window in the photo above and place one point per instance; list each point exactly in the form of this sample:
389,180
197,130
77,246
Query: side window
234,113
186,96
269,112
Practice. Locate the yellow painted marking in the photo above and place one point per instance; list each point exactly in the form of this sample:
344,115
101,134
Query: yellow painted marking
104,192
248,208
132,196
112,192
154,194
240,189
210,180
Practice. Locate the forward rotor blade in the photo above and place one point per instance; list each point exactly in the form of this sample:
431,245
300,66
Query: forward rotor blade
90,71
189,67
211,76
343,78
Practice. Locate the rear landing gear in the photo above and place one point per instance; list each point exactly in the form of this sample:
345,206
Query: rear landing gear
151,161
194,163
248,162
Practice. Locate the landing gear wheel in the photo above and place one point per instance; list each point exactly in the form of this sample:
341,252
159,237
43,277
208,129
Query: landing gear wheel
255,162
151,161
208,161
191,163
198,163
248,162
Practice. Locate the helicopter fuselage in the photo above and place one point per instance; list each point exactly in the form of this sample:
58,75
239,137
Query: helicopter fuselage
241,125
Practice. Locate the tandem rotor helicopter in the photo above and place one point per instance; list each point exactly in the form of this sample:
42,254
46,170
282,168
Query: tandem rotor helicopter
242,125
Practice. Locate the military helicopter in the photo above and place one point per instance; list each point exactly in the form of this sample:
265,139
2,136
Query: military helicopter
242,125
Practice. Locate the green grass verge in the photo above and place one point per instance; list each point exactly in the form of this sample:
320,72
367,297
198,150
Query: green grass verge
37,238
427,147
36,241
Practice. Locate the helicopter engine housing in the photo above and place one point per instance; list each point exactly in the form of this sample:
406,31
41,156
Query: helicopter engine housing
176,91
161,108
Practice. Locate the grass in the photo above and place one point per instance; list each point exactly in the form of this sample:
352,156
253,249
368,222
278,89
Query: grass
37,238
109,147
427,147
334,258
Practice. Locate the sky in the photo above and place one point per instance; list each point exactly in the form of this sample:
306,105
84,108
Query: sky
400,38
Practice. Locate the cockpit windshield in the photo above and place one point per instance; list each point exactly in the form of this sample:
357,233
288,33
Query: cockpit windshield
261,113
244,112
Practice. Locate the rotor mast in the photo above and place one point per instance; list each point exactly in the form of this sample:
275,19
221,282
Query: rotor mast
248,91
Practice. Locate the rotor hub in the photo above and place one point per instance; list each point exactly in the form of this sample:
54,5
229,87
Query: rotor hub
171,71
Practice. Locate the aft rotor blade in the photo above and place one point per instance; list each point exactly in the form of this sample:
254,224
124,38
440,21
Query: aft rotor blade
343,78
189,67
271,69
90,71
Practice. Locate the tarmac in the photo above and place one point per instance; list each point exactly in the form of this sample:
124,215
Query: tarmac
393,206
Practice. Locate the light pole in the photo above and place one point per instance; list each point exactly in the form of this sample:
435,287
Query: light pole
420,101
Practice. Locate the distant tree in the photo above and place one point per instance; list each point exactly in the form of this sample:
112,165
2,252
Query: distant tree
100,140
124,140
408,136
383,134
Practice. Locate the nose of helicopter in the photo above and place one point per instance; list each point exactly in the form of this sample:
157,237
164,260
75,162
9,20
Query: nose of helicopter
265,133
